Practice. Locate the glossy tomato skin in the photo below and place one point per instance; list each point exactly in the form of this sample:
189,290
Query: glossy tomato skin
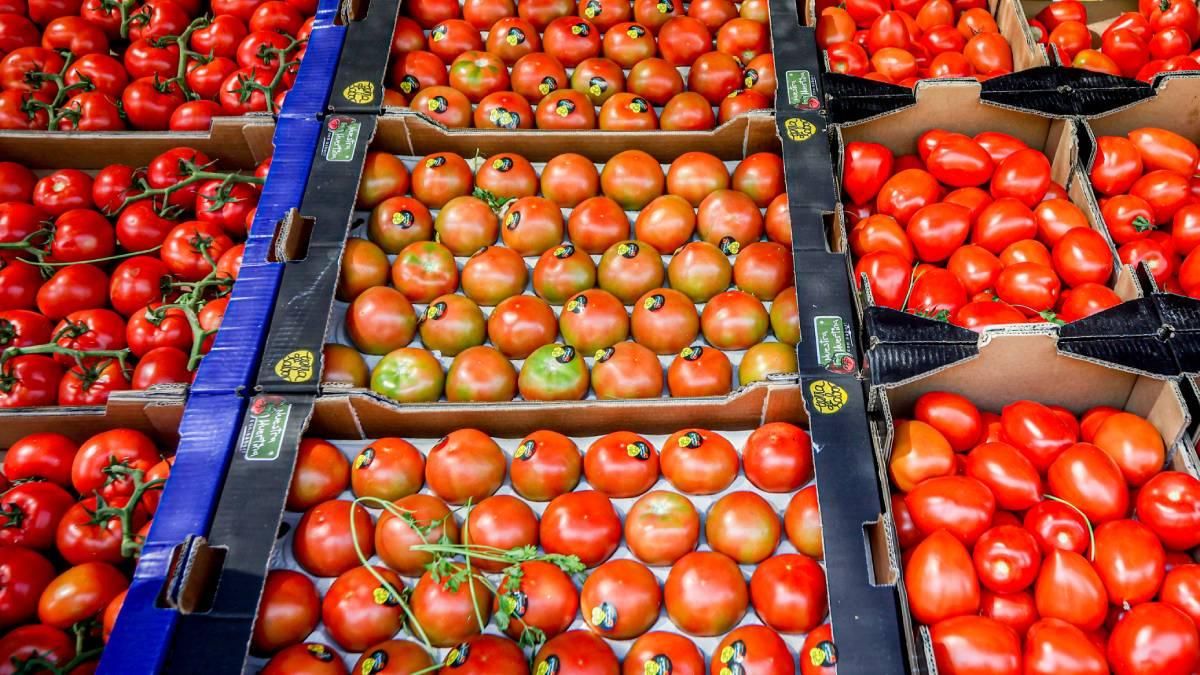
388,468
352,613
778,457
543,598
755,649
743,526
961,505
1068,588
627,370
80,593
697,461
1153,638
287,612
620,599
802,523
788,593
941,579
309,658
465,465
1130,561
656,648
975,644
577,652
582,523
395,537
545,465
662,527
26,574
554,372
705,593
501,522
1167,505
402,654
1090,480
448,616
322,473
322,543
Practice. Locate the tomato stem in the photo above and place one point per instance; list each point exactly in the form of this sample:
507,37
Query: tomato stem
116,470
1086,522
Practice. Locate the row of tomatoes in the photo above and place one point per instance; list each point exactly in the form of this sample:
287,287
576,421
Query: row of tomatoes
73,517
1039,528
902,41
524,62
972,230
161,64
1157,38
531,596
1148,197
116,280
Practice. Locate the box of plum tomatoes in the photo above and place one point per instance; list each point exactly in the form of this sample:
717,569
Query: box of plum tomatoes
1054,520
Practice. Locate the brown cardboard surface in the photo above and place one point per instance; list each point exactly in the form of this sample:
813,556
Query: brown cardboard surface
409,133
155,413
239,142
364,414
1175,106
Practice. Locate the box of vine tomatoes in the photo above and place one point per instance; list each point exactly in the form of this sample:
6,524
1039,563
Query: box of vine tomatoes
1050,486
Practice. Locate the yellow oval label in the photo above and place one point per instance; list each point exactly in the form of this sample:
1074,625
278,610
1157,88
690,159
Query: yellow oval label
799,130
297,366
827,397
361,92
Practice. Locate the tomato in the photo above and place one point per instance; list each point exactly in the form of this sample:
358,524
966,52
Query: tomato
130,448
1082,256
548,464
1089,479
629,269
465,465
481,373
353,612
29,380
1010,476
82,537
440,177
754,649
322,473
1007,558
627,370
765,359
537,75
322,542
788,593
397,222
520,324
919,452
1068,588
451,324
581,523
26,574
1129,560
669,652
661,84
700,371
665,320
424,270
571,40
700,271
961,505
80,593
1036,431
576,652
394,537
697,461
288,611
501,522
380,320
1117,165
569,179
887,275
966,644
627,43
1179,589
46,455
682,39
621,464
596,224
389,468
1153,638
705,593
542,597
743,526
620,599
1165,504
400,654
48,644
940,579
310,658
593,320
1134,444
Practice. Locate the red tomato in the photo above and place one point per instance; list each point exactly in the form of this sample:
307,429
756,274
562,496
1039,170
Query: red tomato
1068,588
966,644
705,593
1154,638
940,579
581,523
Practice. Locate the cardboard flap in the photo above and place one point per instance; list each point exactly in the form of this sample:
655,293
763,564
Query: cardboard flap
886,325
1137,317
1063,92
851,99
892,363
362,69
1140,354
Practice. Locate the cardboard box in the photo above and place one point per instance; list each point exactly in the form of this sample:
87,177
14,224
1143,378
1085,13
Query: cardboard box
1007,368
957,106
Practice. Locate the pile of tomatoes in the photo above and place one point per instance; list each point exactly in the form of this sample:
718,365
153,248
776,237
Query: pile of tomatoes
902,41
72,517
609,64
497,224
479,561
972,231
115,279
1036,527
1158,38
108,65
1145,181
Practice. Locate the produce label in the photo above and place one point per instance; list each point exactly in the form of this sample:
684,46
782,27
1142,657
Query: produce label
800,89
799,130
297,366
833,344
827,397
342,139
265,428
361,92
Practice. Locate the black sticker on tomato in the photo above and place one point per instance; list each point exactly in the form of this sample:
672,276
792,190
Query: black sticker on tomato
504,118
409,84
564,108
824,653
638,104
597,85
564,251
604,616
365,458
438,160
729,245
691,439
659,664
436,311
502,164
581,29
374,662
654,302
438,33
691,353
549,666
403,219
382,596
577,304
627,249
592,9
603,355
512,219
525,451
564,353
638,450
547,85
514,603
515,36
320,652
458,655
437,104
750,77
635,31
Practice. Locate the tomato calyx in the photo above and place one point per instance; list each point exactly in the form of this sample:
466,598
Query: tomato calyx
11,515
1052,317
248,85
84,631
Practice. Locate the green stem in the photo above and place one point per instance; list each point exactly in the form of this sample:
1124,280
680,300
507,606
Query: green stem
362,559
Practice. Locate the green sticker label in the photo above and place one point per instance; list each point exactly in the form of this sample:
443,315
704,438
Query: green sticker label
265,429
800,89
341,141
833,344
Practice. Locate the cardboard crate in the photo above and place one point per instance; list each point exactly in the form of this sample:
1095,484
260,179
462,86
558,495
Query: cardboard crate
1007,368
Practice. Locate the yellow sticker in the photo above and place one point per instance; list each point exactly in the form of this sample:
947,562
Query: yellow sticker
297,366
827,397
799,130
361,92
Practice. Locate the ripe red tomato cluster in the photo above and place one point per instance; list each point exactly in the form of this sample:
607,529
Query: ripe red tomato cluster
1145,181
1158,38
101,271
555,582
902,41
443,212
1036,527
974,231
607,64
71,524
101,65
